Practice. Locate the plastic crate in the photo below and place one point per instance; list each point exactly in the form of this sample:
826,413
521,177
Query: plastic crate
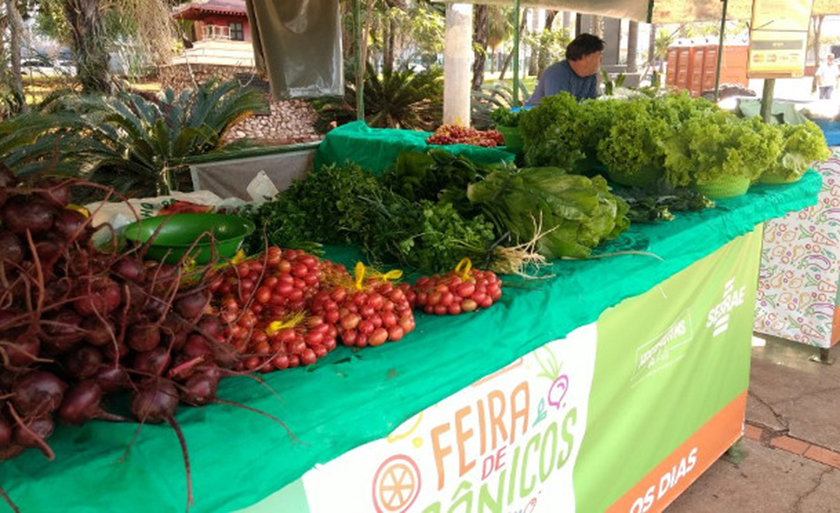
831,130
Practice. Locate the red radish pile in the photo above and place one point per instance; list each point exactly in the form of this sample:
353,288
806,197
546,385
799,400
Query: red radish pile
454,134
367,312
458,291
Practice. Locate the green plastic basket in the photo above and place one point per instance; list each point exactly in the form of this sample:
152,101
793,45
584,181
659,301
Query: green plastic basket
205,236
772,178
640,178
729,187
513,139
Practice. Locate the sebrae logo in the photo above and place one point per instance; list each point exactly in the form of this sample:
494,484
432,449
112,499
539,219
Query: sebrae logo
719,315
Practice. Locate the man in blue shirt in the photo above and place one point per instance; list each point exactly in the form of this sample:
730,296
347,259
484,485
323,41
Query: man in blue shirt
577,74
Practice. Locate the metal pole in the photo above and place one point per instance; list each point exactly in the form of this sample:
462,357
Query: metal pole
357,41
516,53
720,49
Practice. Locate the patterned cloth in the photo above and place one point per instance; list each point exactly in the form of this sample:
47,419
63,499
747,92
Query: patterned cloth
800,267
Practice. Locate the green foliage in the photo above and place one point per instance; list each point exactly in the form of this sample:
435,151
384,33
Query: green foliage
802,145
152,141
504,117
574,213
657,201
321,208
491,98
417,176
426,236
632,152
550,133
611,85
400,98
718,145
138,146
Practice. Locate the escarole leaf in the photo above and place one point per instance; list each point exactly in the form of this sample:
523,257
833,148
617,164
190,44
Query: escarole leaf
569,214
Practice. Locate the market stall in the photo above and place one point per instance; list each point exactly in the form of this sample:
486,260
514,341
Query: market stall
480,412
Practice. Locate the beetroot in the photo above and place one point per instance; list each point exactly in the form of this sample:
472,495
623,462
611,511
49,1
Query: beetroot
21,213
143,337
154,401
83,403
97,294
34,432
56,191
37,393
72,225
83,362
62,331
23,351
112,379
97,331
50,249
116,352
153,363
192,305
11,248
130,268
5,431
200,389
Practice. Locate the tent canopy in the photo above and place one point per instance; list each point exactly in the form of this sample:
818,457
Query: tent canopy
656,11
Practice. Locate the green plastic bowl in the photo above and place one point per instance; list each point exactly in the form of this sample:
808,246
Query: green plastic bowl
206,237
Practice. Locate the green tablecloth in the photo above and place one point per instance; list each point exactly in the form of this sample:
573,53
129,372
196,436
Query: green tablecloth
375,149
350,398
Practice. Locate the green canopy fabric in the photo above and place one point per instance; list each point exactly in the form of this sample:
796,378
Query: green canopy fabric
238,457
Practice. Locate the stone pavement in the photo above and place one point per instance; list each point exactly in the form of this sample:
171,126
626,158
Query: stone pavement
789,458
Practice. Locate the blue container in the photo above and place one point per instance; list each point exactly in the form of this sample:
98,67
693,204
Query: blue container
831,130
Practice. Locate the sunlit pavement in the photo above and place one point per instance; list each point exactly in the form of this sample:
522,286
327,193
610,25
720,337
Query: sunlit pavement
789,458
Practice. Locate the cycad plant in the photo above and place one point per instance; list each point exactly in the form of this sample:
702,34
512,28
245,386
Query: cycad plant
137,145
153,141
399,98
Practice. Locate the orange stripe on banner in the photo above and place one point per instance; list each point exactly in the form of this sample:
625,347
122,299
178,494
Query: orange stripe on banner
683,466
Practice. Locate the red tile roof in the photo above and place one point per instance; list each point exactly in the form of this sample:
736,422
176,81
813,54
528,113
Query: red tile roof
197,10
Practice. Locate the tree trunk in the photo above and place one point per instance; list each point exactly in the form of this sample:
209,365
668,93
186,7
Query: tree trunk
533,61
816,23
16,31
652,46
480,22
89,42
632,47
389,38
543,61
509,57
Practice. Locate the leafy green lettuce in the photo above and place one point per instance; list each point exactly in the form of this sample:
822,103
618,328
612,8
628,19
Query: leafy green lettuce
573,213
802,145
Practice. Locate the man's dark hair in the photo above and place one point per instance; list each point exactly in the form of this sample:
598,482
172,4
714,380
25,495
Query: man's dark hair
583,45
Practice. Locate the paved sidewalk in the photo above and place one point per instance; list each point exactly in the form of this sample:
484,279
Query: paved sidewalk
789,458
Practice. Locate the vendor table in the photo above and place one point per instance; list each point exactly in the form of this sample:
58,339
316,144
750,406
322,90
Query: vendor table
610,386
